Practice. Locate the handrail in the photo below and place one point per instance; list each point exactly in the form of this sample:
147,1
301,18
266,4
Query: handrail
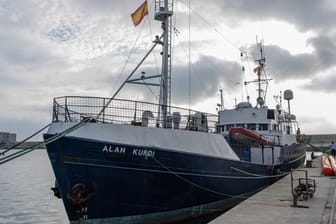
122,111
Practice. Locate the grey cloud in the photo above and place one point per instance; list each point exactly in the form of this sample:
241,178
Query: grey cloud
107,6
323,84
306,15
325,50
282,65
208,75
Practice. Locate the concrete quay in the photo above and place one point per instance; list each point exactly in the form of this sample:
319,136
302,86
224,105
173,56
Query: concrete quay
275,203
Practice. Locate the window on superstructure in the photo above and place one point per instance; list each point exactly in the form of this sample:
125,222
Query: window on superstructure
270,114
240,125
252,126
275,127
263,127
288,129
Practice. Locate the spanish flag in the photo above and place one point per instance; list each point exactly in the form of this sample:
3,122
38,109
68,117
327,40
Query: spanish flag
139,13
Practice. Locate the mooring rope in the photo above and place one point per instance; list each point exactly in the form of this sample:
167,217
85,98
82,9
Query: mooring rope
26,139
49,140
260,176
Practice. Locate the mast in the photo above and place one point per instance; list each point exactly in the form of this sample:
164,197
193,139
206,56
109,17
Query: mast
163,13
260,68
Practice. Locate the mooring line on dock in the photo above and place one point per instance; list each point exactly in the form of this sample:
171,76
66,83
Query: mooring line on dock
49,140
26,139
260,176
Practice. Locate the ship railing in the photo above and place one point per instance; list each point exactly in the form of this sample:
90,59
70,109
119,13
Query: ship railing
130,112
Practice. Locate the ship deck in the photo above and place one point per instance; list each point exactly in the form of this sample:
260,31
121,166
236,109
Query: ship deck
274,204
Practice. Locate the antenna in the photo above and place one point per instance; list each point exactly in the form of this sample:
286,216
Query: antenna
262,81
222,100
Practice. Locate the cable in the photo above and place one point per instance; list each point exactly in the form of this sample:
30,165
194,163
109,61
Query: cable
19,143
207,23
189,59
217,192
49,140
128,58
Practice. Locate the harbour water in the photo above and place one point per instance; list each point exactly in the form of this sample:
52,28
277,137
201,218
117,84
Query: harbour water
25,195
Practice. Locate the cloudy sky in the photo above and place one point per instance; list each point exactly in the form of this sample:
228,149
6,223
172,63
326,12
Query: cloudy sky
51,48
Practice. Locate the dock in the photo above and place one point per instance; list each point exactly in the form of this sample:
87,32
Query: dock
275,203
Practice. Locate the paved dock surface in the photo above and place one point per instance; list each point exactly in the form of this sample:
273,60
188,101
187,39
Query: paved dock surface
275,203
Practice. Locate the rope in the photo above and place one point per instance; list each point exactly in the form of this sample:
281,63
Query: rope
209,24
128,58
213,191
49,140
19,143
260,176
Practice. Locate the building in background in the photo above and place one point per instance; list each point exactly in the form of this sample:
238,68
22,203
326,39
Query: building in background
7,139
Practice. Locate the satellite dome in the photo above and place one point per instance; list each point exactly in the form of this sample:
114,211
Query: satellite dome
288,94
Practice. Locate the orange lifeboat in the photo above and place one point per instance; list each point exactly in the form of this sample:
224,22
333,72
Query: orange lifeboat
244,135
327,169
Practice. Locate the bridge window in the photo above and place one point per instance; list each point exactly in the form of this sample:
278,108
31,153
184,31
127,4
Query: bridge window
270,114
275,127
263,127
252,126
288,129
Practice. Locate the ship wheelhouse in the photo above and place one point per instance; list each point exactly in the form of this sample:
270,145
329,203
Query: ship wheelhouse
258,134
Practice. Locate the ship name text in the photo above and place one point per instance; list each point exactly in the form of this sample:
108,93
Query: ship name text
143,152
116,149
134,152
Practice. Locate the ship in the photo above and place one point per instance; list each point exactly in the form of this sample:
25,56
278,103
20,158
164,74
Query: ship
125,161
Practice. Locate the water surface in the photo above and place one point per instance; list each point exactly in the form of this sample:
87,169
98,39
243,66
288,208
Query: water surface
25,195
